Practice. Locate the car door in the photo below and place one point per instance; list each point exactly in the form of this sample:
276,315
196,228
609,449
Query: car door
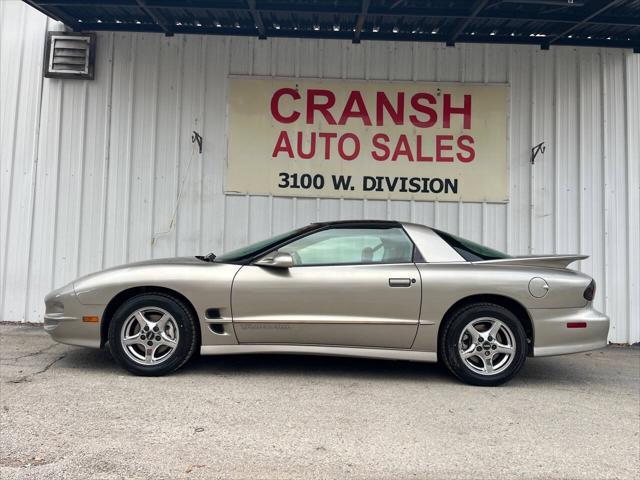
347,287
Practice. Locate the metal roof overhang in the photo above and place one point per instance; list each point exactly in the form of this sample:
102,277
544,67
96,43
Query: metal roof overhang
596,23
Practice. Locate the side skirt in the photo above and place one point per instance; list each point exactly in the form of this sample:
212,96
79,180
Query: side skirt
382,353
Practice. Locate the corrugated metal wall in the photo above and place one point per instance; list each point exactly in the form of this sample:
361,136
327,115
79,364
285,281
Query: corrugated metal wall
91,170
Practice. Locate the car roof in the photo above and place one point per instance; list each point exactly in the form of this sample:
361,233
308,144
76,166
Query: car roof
368,223
359,223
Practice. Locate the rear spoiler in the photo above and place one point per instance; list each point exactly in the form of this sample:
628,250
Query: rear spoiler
551,261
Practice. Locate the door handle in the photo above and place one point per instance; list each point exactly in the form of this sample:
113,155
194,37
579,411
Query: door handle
401,282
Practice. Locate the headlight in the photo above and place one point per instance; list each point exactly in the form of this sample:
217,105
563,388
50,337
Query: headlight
55,307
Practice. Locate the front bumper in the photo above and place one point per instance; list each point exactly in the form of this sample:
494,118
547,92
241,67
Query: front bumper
63,318
553,337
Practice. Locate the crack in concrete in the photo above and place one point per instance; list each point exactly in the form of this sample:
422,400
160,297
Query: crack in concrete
29,377
33,354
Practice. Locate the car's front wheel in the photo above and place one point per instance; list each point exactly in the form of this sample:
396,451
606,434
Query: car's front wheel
483,344
152,334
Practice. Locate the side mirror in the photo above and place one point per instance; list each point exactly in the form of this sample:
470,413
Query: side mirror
278,260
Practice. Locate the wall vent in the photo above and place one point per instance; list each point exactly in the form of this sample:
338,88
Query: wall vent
69,55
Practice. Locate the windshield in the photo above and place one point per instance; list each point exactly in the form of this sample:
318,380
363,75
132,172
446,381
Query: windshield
471,251
256,248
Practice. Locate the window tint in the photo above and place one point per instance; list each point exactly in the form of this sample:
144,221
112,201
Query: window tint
351,246
471,251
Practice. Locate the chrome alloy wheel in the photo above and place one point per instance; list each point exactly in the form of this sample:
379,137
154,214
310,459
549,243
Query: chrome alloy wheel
487,346
149,336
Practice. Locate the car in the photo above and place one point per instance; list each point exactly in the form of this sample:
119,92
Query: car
376,289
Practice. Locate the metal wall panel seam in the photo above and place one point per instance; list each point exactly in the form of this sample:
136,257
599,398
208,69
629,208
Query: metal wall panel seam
14,137
510,155
532,167
633,231
227,64
129,154
107,152
178,131
580,160
154,149
625,106
58,137
605,197
34,172
203,155
80,179
556,164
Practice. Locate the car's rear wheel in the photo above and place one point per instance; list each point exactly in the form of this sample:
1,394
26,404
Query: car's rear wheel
483,344
152,334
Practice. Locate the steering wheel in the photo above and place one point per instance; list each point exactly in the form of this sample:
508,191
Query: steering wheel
296,258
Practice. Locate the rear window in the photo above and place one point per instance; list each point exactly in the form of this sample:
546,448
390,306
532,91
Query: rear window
471,251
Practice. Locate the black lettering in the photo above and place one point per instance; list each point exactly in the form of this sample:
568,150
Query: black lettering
451,186
340,182
284,180
436,185
414,185
368,183
391,184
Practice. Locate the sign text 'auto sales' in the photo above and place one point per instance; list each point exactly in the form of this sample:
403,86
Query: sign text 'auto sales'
352,139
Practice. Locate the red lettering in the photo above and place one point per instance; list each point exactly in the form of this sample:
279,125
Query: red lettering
312,148
350,110
417,105
402,148
440,148
465,143
356,146
323,108
419,156
275,104
383,103
327,143
448,110
379,141
283,144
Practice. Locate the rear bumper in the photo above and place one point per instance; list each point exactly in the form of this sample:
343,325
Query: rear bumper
553,337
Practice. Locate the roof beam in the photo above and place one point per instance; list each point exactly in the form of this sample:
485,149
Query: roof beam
257,19
634,43
56,13
462,24
155,17
360,21
606,6
621,21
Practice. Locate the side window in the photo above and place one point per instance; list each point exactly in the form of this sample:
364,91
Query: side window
351,246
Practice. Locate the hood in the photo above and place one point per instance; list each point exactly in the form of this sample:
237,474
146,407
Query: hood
147,263
548,261
165,261
92,289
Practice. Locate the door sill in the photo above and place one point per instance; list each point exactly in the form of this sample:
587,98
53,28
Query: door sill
382,353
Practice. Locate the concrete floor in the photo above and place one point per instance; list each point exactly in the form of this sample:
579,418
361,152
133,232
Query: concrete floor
70,412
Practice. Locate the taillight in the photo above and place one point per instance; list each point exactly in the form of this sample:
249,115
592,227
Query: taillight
590,291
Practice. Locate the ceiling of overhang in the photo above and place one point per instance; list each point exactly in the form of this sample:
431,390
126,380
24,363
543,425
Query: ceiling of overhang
598,23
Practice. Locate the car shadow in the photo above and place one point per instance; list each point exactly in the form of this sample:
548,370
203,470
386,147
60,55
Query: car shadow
294,365
549,372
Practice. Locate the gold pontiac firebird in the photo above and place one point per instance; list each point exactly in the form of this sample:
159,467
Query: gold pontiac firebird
377,289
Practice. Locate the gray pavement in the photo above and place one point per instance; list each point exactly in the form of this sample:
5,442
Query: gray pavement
68,412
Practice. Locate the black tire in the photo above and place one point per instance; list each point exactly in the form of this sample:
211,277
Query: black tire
184,321
453,328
